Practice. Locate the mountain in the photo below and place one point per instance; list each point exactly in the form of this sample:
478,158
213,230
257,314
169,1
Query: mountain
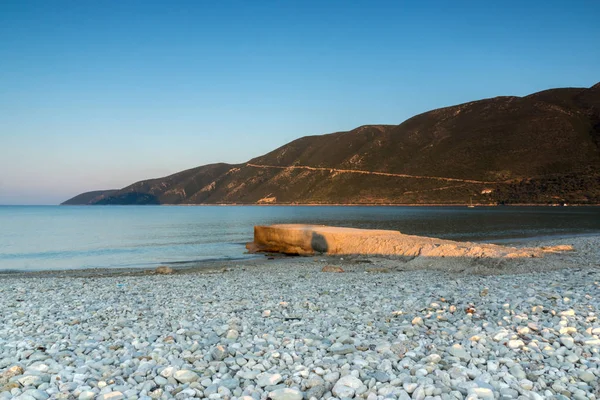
542,148
90,197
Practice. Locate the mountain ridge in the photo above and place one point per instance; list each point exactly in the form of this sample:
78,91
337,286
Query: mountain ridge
543,148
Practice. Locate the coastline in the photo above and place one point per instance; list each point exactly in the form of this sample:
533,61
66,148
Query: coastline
584,256
100,230
281,328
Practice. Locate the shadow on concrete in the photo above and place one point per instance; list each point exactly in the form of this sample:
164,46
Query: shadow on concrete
319,243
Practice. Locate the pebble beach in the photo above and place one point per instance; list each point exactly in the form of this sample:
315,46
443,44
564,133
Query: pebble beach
282,329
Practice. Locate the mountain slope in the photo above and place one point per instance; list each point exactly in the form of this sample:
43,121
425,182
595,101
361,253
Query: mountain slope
190,184
541,148
90,197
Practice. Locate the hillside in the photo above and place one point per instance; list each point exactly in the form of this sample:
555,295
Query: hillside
542,148
89,197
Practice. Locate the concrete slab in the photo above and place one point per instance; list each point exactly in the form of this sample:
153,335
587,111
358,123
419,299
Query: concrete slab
301,239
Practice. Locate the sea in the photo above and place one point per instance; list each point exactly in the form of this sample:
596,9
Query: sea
77,237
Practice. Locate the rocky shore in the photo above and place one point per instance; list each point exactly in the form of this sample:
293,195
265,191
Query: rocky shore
420,328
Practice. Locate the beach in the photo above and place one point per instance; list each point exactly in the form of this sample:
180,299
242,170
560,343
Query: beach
280,328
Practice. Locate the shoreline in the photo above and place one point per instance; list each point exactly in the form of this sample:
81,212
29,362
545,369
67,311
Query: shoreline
262,259
209,266
281,328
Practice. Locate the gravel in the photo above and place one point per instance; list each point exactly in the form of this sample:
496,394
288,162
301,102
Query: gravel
285,330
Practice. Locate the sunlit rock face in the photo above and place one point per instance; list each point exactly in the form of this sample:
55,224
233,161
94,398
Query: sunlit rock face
314,239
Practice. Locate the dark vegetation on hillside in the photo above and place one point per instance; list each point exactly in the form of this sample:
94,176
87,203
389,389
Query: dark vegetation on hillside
90,197
558,189
539,149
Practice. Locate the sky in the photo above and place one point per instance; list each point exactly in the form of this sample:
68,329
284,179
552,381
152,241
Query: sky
101,94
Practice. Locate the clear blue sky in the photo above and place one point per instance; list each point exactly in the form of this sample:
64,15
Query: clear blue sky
99,94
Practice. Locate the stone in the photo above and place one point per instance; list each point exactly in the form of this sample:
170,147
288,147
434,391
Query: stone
381,376
410,387
567,330
332,268
286,394
332,376
515,344
111,396
567,341
37,394
316,392
419,393
458,351
526,384
30,380
86,395
9,387
518,372
587,376
572,358
346,386
163,270
266,379
232,334
185,376
219,353
166,373
338,348
160,380
15,370
230,384
482,393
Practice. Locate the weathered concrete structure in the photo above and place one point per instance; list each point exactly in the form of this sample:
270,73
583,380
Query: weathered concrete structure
314,239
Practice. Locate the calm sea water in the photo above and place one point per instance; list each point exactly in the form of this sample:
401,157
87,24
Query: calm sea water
54,237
